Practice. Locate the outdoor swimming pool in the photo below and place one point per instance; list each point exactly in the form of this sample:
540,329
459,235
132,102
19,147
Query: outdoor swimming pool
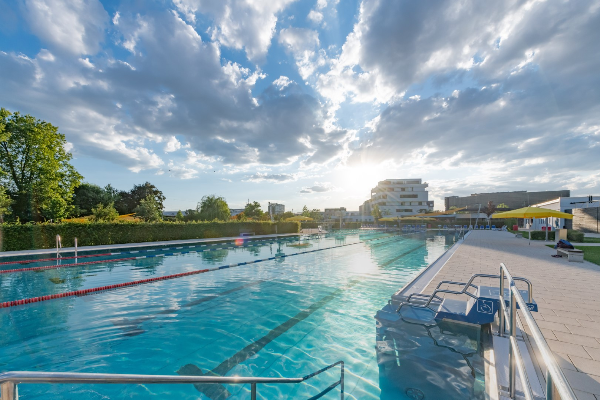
285,317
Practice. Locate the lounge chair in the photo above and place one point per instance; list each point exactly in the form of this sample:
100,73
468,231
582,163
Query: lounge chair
445,226
493,227
481,227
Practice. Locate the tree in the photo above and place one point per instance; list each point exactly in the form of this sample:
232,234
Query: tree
86,197
36,169
214,207
104,213
305,212
315,214
179,216
128,201
149,209
489,209
5,203
376,213
253,210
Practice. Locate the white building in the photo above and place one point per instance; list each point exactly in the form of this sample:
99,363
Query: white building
563,204
399,198
276,209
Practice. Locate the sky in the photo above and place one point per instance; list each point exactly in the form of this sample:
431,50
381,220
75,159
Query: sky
312,102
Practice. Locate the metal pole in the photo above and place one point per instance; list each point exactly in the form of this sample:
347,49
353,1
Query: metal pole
253,391
58,243
500,309
8,391
512,381
549,386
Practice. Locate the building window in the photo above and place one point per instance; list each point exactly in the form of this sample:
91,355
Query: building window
399,210
409,196
420,203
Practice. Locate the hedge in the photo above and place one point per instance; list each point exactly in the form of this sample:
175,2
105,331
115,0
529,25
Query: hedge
572,236
43,236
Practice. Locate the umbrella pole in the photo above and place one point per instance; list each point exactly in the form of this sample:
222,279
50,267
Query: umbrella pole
530,231
546,229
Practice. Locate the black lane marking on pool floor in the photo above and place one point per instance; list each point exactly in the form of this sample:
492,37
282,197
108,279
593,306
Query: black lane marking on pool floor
131,327
216,391
385,264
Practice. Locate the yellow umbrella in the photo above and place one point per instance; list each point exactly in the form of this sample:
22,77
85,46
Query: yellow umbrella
299,218
533,212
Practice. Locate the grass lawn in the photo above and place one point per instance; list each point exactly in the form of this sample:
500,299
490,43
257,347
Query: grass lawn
590,253
591,240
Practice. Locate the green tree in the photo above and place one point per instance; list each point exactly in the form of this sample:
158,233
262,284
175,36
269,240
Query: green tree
315,214
214,207
179,216
305,212
36,169
86,197
376,213
5,203
149,209
104,213
128,201
253,210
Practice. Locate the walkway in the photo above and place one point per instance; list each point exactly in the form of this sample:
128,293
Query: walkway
568,296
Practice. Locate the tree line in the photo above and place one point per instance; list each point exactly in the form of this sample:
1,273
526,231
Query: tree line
38,184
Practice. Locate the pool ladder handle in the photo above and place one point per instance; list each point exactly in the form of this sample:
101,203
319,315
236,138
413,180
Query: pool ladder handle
10,380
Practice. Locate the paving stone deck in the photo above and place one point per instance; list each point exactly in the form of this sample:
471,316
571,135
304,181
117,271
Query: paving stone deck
567,293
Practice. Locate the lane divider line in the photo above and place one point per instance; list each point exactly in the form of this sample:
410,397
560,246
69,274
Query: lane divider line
27,269
84,292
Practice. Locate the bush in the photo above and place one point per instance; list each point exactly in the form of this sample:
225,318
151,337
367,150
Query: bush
575,236
572,236
42,236
104,213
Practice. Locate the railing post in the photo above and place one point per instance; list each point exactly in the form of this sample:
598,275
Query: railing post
75,249
58,245
501,308
549,386
512,381
253,391
8,391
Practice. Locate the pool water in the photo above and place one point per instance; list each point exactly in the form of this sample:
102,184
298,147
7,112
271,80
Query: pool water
286,317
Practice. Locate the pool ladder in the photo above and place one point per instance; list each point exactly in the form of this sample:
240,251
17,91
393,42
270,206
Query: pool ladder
10,380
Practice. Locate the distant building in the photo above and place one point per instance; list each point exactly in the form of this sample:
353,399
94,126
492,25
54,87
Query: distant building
276,209
505,201
334,213
235,211
398,198
584,209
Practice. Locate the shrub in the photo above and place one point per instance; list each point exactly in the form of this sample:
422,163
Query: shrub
104,213
42,236
575,236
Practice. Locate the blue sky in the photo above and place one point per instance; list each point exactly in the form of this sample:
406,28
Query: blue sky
312,102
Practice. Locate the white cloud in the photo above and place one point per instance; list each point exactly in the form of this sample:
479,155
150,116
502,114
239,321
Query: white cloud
315,16
318,188
303,44
172,145
239,24
76,27
274,178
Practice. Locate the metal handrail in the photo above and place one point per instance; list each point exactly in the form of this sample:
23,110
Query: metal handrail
555,379
10,380
467,286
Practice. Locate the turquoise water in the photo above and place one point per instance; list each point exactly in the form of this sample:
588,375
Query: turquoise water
313,309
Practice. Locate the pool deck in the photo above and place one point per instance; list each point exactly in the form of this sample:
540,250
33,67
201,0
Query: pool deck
567,293
143,244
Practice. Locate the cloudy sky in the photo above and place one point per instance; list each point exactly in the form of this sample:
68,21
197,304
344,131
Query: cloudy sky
312,102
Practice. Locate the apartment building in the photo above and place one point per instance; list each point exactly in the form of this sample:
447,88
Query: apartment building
398,198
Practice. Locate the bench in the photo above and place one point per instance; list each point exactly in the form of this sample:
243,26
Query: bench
246,233
573,255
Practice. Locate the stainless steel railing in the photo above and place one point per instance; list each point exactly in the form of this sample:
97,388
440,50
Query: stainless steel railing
555,379
10,380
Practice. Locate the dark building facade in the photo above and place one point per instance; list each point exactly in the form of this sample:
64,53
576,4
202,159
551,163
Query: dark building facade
506,200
